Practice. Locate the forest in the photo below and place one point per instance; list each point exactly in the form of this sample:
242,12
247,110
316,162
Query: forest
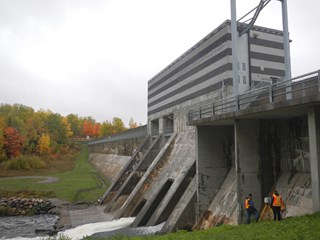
29,133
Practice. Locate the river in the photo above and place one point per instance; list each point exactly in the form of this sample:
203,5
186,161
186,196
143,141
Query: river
23,228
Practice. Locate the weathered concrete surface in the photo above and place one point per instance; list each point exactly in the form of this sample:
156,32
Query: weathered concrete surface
184,214
131,206
166,184
224,208
132,173
173,178
214,147
108,164
296,193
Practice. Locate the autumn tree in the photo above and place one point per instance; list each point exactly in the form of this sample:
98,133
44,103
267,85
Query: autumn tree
58,130
87,128
13,142
2,127
105,129
117,125
132,123
68,131
75,124
95,130
44,144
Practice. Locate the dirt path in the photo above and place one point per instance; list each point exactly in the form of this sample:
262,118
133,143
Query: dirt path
46,179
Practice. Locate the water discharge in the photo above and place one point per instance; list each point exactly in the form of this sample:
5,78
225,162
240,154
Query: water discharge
91,228
99,229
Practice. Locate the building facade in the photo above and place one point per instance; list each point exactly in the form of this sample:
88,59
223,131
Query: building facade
203,74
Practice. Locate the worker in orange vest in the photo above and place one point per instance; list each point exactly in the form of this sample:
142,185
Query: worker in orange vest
276,204
249,206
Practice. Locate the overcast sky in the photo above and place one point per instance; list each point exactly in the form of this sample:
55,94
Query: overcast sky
95,57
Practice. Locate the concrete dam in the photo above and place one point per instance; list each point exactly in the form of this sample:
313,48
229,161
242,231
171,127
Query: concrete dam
205,148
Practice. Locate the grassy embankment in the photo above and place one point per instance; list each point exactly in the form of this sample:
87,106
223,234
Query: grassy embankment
78,180
300,228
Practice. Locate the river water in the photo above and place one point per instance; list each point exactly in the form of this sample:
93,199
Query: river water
23,228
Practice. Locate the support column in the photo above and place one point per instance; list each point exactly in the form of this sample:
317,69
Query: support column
314,145
161,125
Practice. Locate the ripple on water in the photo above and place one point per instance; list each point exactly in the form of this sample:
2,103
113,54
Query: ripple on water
25,226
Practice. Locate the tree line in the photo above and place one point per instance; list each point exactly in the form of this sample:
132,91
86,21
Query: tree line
24,131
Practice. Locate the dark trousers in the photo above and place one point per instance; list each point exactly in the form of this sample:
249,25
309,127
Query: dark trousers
252,211
276,213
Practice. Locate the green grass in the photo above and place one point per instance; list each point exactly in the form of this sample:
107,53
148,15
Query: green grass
298,228
79,184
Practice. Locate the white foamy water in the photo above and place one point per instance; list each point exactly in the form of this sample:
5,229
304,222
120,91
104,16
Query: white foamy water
91,228
88,229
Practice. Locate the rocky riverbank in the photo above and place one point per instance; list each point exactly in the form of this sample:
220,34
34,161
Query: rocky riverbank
24,206
15,206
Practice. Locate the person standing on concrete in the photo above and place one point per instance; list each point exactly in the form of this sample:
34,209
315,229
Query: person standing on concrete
276,204
250,208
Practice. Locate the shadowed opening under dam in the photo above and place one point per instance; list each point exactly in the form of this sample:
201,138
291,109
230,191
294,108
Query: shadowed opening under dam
139,207
165,188
177,195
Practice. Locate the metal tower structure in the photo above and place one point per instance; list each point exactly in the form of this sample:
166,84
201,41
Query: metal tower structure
235,34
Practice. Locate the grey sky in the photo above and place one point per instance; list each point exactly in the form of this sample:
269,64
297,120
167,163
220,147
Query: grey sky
94,57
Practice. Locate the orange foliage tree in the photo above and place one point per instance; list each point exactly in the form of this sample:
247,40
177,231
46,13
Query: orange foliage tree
13,142
2,127
87,128
95,129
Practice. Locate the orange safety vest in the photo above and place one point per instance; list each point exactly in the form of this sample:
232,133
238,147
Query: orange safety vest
277,201
246,203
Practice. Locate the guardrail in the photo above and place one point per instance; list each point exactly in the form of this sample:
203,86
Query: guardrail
303,85
138,132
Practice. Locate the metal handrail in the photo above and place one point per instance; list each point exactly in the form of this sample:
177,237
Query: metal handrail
258,95
139,132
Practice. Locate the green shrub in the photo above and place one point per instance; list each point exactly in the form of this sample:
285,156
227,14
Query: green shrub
25,163
4,211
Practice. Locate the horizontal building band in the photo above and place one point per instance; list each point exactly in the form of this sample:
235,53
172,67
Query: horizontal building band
266,57
259,56
193,95
210,61
267,71
222,40
267,64
266,43
210,75
267,50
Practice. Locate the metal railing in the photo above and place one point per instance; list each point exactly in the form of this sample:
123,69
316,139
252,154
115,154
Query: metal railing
307,84
139,132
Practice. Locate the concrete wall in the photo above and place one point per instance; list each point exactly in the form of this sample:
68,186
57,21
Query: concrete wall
108,164
224,208
249,178
215,151
125,147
